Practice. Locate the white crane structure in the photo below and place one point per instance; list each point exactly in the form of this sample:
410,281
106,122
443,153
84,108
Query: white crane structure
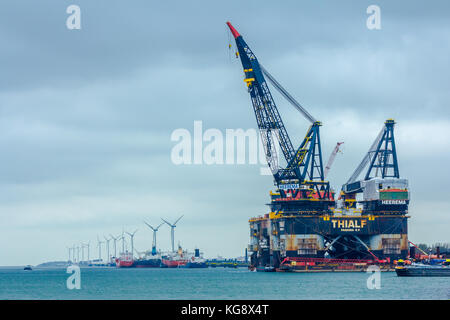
331,159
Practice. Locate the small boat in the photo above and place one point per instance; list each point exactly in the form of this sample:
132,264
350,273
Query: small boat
28,267
265,269
423,270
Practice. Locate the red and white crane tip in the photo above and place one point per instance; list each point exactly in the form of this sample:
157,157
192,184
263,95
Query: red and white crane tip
233,30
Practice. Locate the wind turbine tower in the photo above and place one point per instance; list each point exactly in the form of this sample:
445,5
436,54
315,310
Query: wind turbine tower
132,241
87,246
172,231
99,248
123,242
115,240
154,236
108,259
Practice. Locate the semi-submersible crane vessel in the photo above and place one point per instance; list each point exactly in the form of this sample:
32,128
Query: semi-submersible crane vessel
306,227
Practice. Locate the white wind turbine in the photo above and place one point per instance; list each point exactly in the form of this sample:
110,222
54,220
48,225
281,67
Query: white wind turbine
154,236
132,241
99,244
123,241
87,246
107,249
172,231
115,240
73,254
82,251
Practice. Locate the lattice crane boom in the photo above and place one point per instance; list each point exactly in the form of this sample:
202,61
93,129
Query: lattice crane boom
304,164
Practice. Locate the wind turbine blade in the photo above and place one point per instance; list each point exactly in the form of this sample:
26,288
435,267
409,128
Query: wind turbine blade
178,220
166,222
159,226
149,226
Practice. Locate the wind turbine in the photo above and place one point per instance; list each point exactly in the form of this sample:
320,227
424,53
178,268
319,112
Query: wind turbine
115,240
87,246
99,244
154,236
172,226
132,241
123,242
82,252
69,248
107,249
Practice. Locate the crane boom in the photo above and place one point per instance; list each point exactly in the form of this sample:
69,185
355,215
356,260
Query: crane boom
268,118
366,158
304,164
331,159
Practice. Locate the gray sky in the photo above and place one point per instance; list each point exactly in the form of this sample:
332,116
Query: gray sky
86,115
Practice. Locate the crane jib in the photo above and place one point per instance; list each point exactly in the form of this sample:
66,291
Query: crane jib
304,164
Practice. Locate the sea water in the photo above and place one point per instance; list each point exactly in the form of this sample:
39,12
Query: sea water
213,283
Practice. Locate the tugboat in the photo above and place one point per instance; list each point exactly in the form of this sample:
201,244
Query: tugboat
423,270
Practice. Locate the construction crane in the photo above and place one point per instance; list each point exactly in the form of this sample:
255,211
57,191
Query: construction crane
381,185
331,159
304,169
381,157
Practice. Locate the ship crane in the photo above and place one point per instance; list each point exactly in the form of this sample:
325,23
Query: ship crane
382,177
304,169
382,156
332,157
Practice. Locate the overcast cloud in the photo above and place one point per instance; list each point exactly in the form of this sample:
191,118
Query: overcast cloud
86,115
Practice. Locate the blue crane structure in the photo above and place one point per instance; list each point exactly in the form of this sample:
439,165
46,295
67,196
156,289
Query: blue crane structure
304,170
381,158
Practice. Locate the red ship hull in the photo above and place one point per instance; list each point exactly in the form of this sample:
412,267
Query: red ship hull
124,263
173,263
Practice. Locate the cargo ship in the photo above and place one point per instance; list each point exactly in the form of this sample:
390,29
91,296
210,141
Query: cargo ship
126,260
148,262
174,260
196,261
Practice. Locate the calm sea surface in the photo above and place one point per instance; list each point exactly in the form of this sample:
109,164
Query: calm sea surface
218,283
